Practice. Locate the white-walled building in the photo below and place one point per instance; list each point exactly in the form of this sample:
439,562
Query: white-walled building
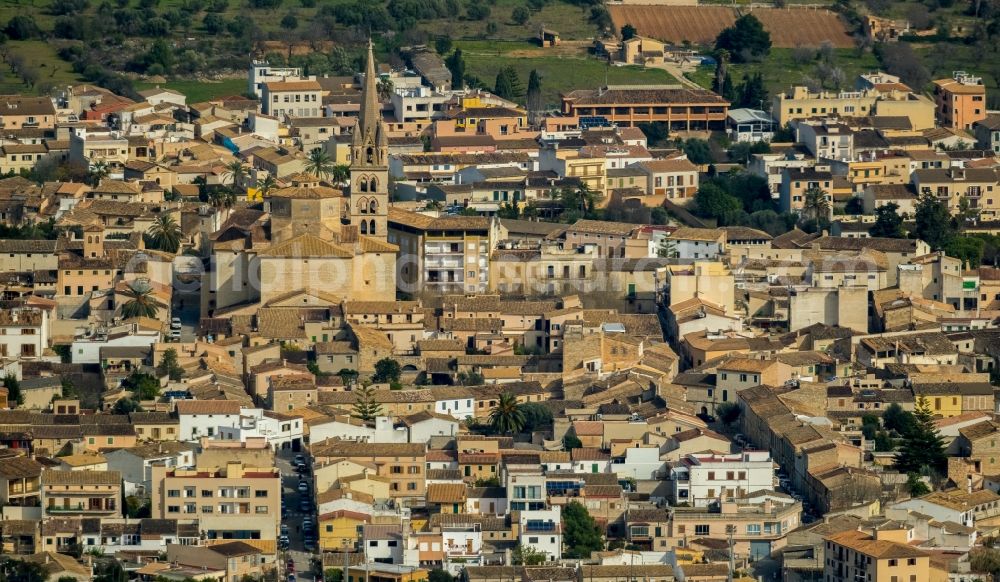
698,243
703,478
136,463
86,347
526,491
542,530
201,418
462,545
424,425
24,333
281,431
261,72
638,463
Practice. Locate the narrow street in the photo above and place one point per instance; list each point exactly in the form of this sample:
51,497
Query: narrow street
292,499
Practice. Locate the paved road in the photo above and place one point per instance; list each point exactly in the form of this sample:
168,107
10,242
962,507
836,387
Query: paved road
292,498
186,306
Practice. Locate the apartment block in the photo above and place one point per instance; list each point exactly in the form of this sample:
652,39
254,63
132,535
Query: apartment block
885,556
81,493
960,100
235,501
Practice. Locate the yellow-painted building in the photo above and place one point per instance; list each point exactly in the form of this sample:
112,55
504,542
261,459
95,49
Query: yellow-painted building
339,529
378,572
883,557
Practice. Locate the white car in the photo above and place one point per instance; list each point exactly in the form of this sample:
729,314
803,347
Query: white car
175,323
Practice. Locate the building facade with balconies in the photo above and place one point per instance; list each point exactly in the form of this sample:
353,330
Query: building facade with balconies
448,254
707,478
231,502
81,493
542,530
856,556
758,525
20,482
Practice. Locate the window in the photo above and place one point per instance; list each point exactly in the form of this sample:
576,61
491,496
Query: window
260,493
753,529
701,529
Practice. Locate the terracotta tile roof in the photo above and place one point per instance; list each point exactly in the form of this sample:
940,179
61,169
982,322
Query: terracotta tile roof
447,493
208,407
305,246
863,543
602,227
55,477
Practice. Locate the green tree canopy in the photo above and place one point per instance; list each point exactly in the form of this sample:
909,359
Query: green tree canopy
888,222
746,40
139,301
581,533
922,448
711,201
168,365
366,407
387,370
934,224
506,417
142,386
164,234
527,556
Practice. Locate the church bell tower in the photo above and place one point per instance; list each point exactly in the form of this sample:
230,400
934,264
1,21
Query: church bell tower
370,161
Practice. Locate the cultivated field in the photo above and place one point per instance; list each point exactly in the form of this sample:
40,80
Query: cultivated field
789,27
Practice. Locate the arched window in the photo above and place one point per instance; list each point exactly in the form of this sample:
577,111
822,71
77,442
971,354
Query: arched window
364,227
371,226
363,206
373,185
373,207
370,155
364,185
90,239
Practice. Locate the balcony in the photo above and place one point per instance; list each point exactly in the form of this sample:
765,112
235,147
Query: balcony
80,509
444,262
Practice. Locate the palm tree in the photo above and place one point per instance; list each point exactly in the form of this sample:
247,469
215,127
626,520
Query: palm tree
140,300
236,172
340,174
507,417
319,163
99,171
815,204
165,233
266,186
385,89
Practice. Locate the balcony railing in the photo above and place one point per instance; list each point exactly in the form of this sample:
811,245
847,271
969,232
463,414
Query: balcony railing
80,509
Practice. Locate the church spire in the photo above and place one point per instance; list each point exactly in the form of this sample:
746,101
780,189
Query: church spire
370,117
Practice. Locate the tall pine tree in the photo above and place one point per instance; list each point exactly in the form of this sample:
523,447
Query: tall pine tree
508,85
534,96
922,448
456,65
365,406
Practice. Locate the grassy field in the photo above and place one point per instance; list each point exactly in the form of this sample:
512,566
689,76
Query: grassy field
565,74
53,71
197,91
781,71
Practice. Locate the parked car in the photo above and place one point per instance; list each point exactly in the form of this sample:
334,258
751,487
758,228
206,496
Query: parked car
175,323
303,487
290,565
